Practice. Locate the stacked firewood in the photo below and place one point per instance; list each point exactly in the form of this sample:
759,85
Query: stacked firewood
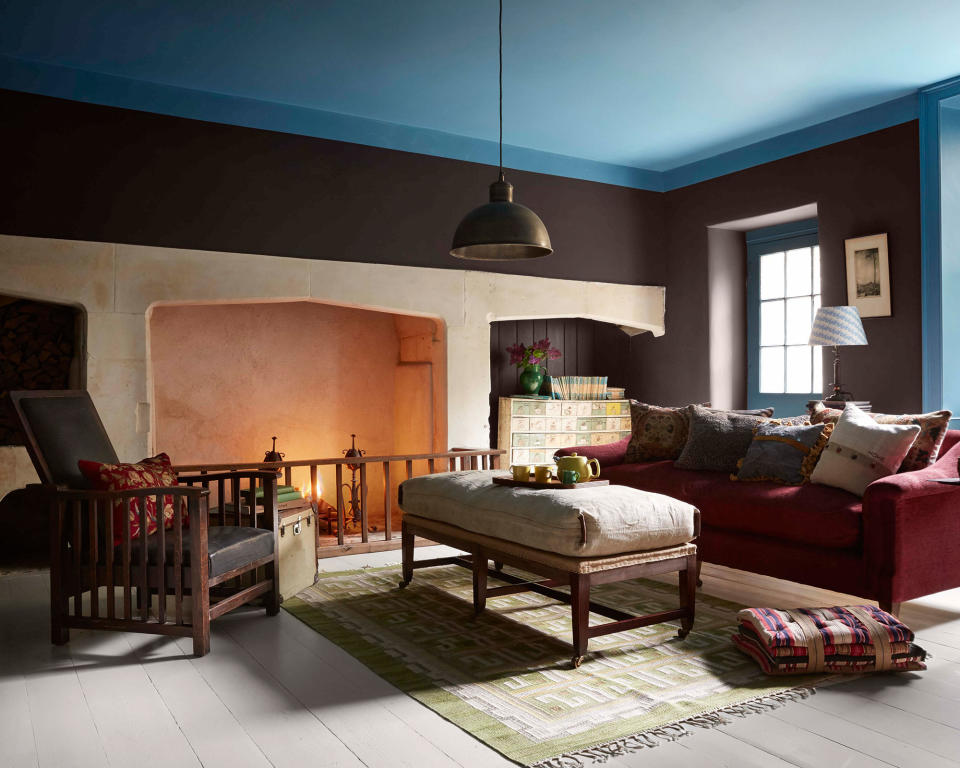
37,347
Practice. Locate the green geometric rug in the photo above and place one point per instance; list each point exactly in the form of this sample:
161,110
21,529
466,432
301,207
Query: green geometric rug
506,677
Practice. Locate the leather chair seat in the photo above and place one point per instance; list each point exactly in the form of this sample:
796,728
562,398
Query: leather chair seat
228,547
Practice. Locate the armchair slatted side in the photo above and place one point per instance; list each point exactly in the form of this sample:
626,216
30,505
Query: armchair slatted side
104,578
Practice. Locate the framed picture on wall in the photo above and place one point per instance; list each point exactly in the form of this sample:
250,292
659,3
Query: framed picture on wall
868,275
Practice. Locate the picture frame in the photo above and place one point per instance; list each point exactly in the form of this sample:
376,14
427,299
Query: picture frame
868,275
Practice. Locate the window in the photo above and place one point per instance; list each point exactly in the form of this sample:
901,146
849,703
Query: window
783,295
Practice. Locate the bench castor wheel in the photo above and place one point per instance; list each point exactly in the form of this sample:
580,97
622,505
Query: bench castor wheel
577,661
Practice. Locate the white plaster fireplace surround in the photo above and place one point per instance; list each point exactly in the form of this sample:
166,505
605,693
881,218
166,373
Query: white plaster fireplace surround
118,284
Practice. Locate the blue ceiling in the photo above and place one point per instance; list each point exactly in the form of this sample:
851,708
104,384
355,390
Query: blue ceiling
651,85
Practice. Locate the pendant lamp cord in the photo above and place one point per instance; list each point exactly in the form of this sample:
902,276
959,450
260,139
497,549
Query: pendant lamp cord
500,30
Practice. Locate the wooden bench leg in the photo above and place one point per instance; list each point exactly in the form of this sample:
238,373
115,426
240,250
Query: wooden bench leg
699,563
497,565
406,546
688,594
890,607
580,613
479,581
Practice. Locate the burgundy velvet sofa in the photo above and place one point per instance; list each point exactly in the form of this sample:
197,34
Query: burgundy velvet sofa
901,541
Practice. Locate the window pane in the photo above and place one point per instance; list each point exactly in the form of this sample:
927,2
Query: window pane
771,369
799,369
816,269
771,276
817,369
798,272
771,323
799,320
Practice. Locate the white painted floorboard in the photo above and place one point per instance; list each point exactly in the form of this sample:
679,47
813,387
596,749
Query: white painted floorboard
274,693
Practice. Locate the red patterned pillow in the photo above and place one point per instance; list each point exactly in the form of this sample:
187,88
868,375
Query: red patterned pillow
149,473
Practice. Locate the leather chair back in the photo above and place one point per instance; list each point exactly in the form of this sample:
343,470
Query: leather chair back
61,427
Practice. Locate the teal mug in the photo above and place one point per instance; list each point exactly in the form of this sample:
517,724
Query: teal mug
569,477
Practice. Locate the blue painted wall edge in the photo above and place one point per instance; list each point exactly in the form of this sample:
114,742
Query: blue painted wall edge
97,88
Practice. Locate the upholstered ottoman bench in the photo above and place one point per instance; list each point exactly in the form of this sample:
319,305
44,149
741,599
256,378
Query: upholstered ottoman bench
579,537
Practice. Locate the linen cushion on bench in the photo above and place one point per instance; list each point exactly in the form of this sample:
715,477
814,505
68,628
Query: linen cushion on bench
615,518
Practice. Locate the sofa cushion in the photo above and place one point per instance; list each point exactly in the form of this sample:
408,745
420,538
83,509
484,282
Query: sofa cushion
805,514
656,432
717,440
860,451
783,454
933,429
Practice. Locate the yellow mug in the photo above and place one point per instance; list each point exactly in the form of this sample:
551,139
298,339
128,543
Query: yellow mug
544,472
522,472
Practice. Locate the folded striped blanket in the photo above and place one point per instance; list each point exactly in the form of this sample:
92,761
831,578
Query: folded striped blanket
858,638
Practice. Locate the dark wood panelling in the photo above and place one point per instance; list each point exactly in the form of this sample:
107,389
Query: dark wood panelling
588,348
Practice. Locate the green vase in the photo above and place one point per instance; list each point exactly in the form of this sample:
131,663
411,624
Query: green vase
530,381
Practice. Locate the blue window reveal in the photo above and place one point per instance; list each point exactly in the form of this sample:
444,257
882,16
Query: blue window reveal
783,295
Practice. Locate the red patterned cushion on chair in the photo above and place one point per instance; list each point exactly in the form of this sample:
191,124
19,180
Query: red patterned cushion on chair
154,472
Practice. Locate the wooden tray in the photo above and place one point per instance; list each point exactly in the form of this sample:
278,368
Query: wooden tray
552,483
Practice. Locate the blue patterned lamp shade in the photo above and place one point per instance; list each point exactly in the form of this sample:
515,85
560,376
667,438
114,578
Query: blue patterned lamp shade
837,327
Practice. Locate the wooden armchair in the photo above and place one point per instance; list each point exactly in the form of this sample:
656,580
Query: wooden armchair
93,579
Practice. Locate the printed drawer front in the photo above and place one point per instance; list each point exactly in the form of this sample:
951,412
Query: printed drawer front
529,440
553,424
598,409
558,440
538,424
625,423
568,408
553,408
529,407
541,456
613,409
520,456
584,425
585,408
568,425
612,424
519,424
602,438
521,439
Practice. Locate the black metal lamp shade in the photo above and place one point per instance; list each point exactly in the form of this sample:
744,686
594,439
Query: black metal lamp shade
501,230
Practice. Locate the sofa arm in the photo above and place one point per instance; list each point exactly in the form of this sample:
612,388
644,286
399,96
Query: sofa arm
911,532
609,455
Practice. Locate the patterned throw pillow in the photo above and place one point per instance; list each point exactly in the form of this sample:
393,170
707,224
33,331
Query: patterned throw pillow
933,428
783,454
155,472
656,433
716,440
860,451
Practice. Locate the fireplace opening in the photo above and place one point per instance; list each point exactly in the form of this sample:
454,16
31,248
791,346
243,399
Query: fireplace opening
227,377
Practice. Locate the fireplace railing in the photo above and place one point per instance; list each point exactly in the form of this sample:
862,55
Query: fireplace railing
450,461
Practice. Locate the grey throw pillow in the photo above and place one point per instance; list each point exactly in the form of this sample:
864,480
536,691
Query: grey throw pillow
716,440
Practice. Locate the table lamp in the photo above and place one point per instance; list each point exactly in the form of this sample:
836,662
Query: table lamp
837,327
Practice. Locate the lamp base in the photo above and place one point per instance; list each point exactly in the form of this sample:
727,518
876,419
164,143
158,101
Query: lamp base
837,394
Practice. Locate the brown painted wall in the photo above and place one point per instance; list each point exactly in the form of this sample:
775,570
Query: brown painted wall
87,172
862,186
83,171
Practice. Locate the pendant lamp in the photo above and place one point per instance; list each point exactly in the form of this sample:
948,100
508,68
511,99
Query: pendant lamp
501,230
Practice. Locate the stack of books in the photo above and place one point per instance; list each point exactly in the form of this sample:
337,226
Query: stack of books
579,387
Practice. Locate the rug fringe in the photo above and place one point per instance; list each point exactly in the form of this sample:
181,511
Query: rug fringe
664,735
